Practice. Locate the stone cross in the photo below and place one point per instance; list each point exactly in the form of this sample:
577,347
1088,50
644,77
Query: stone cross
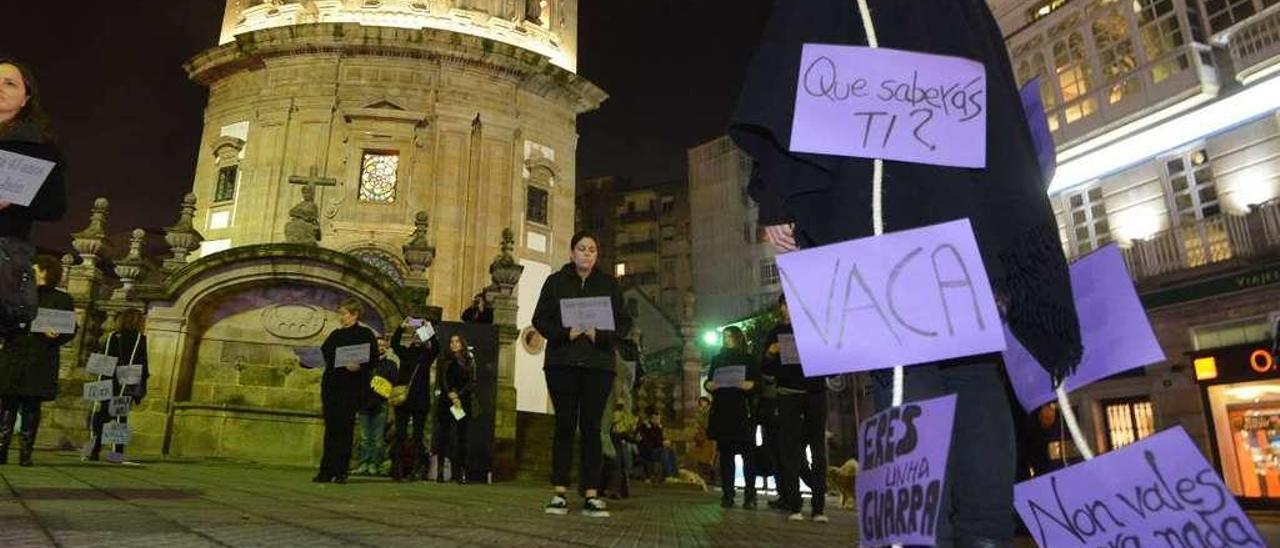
313,179
304,218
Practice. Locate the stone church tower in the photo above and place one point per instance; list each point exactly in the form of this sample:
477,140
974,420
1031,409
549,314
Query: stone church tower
462,109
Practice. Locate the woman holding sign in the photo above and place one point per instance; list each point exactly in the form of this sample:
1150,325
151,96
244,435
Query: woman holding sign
24,139
732,377
129,346
416,344
580,313
29,363
900,179
455,384
349,354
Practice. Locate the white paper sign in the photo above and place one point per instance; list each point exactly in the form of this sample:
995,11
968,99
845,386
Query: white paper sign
120,406
21,177
98,391
52,320
355,354
426,332
787,348
102,364
730,376
129,374
586,313
457,412
114,433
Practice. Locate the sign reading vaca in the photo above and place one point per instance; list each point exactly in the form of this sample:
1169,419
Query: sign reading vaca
586,313
904,298
98,391
891,104
903,452
355,354
1113,327
21,177
1157,492
101,364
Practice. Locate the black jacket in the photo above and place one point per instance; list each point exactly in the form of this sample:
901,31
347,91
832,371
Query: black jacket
121,345
730,418
829,197
581,352
387,370
791,376
415,357
50,203
29,361
455,374
339,377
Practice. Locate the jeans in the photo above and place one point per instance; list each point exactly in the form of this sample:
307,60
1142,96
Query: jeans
578,395
373,428
977,500
802,421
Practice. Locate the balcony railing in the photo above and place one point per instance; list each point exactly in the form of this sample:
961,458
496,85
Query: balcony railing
1254,43
1208,241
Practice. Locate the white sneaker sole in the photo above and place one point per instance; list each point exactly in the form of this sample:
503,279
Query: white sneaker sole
596,514
821,519
556,511
795,517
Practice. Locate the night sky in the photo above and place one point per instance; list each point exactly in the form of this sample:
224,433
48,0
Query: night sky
128,120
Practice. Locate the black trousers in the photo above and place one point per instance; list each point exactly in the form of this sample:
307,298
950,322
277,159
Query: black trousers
728,468
578,395
410,425
99,418
340,404
768,454
977,499
451,438
10,407
802,422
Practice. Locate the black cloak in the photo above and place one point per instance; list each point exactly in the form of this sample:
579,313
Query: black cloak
829,197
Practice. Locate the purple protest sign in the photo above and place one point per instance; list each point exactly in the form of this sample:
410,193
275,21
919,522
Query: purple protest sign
891,104
1038,123
903,454
1157,492
1113,327
904,298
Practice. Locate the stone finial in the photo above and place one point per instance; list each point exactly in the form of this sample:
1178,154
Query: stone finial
68,261
419,254
504,269
91,242
132,266
182,237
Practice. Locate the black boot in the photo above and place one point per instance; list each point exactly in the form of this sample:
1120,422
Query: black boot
7,420
27,441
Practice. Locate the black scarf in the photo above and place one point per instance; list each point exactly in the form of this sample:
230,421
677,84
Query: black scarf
829,197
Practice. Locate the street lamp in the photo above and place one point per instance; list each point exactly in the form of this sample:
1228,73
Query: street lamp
711,338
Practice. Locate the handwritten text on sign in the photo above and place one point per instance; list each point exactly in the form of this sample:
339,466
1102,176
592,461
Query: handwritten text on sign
1113,326
21,177
116,433
52,320
120,406
904,298
101,364
891,104
1157,492
98,391
587,313
903,452
129,374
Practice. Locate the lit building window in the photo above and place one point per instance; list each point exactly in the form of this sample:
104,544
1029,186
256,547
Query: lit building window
1222,14
1043,8
1087,217
768,273
1193,198
378,177
620,270
1034,66
1075,77
1116,56
536,205
1128,421
1161,37
382,261
1250,330
225,190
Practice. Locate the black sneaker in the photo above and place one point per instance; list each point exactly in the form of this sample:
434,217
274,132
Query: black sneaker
749,504
558,506
595,507
321,478
340,479
726,503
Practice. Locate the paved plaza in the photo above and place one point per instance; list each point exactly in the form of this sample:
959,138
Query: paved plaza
63,502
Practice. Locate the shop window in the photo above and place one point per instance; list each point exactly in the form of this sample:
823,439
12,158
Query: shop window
1087,218
1230,334
1127,421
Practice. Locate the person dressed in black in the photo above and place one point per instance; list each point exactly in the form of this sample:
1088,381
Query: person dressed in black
809,200
129,346
343,389
373,416
479,311
408,452
23,130
579,369
455,386
802,421
29,367
731,424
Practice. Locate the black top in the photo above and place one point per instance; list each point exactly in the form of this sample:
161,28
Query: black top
339,377
730,417
456,374
415,367
473,314
787,376
50,203
29,362
580,352
1005,202
122,345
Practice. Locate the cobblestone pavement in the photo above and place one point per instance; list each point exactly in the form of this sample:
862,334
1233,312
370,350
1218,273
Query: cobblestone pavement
62,502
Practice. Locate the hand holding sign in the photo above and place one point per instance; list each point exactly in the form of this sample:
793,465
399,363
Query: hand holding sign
52,320
21,177
425,332
731,376
903,452
904,298
101,364
892,105
457,412
587,313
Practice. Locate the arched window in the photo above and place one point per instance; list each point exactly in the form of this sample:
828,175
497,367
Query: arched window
382,261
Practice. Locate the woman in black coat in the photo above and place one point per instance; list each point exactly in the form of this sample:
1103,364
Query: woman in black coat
730,423
579,370
29,366
455,386
415,356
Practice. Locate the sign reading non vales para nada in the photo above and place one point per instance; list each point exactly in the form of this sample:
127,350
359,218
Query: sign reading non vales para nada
903,456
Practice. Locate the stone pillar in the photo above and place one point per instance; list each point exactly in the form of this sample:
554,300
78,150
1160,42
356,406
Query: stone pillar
182,237
505,273
691,368
84,279
132,267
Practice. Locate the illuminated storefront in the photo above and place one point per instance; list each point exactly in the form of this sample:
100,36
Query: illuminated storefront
1240,387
